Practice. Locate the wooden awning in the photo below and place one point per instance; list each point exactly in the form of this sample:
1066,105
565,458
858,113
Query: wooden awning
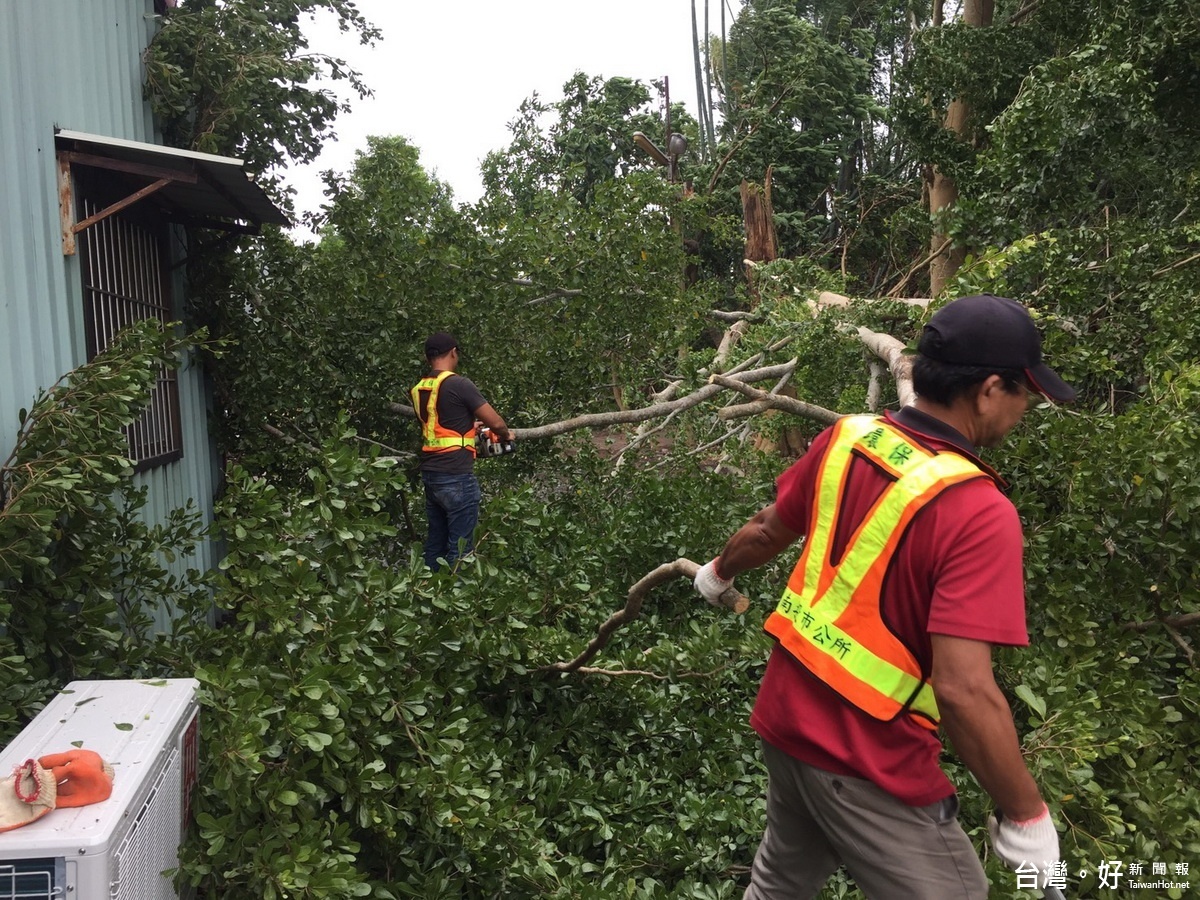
188,187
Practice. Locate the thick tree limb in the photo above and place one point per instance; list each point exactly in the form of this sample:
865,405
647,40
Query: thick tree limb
764,401
891,351
664,404
682,567
734,315
875,386
729,340
829,298
1183,644
1175,265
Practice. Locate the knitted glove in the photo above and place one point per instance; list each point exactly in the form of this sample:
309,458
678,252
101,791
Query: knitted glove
1021,844
28,794
710,584
81,775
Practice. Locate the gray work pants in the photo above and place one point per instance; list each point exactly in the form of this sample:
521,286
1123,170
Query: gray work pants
817,821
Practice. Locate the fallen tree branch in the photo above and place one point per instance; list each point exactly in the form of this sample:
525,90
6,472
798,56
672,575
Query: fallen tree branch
829,298
1175,265
875,386
555,294
1183,645
722,315
288,439
591,670
644,429
643,434
765,401
729,340
1172,624
740,431
682,567
629,416
886,347
395,454
1186,620
891,351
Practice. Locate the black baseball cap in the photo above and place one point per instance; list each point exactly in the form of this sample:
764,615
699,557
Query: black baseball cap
985,330
439,344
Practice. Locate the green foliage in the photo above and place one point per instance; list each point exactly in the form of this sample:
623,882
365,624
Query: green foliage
386,732
1104,128
589,144
338,326
797,103
1108,695
81,570
236,77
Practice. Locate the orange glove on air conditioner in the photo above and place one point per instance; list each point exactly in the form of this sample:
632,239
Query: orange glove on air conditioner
82,777
28,794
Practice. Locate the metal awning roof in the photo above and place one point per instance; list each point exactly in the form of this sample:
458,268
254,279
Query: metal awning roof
198,187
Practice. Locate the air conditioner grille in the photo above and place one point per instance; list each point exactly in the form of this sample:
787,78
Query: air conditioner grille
143,855
32,879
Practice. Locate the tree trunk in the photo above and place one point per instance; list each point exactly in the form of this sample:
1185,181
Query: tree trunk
758,217
762,245
942,189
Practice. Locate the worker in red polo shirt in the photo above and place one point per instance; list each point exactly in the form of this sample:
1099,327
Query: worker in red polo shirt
910,573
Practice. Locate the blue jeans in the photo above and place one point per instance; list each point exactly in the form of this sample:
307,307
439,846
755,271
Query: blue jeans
452,507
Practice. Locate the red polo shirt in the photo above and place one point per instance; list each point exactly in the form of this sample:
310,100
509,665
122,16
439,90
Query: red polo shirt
957,572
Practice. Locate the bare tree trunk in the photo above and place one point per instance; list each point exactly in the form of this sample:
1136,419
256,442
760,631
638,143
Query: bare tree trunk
758,217
762,245
942,189
943,194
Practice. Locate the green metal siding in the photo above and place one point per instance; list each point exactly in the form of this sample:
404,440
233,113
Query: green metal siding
76,65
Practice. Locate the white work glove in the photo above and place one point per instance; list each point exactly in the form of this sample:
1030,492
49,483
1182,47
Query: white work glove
28,794
1026,845
711,585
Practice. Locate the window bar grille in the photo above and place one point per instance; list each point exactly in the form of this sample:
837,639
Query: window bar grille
125,285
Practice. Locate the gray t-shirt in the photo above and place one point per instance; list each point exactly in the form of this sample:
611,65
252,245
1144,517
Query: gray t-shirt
458,401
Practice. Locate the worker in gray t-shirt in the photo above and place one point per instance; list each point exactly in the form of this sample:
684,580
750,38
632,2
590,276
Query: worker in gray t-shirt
449,407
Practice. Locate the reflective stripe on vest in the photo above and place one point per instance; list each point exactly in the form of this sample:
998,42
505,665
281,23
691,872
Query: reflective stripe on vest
829,616
436,438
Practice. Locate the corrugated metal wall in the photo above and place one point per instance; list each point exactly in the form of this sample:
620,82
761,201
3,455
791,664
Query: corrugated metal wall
72,64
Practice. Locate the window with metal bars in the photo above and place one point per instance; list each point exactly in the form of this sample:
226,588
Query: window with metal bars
126,280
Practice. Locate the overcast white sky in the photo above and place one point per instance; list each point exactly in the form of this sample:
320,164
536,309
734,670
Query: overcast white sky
449,76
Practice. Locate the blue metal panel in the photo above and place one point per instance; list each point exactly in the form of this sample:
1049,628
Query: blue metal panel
72,65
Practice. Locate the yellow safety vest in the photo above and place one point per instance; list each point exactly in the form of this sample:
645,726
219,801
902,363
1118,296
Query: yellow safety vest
435,437
829,616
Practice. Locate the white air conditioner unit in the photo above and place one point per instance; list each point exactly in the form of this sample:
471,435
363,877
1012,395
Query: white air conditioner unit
119,848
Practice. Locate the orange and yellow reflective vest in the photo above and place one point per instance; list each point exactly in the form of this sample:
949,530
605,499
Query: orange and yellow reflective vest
829,616
435,437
